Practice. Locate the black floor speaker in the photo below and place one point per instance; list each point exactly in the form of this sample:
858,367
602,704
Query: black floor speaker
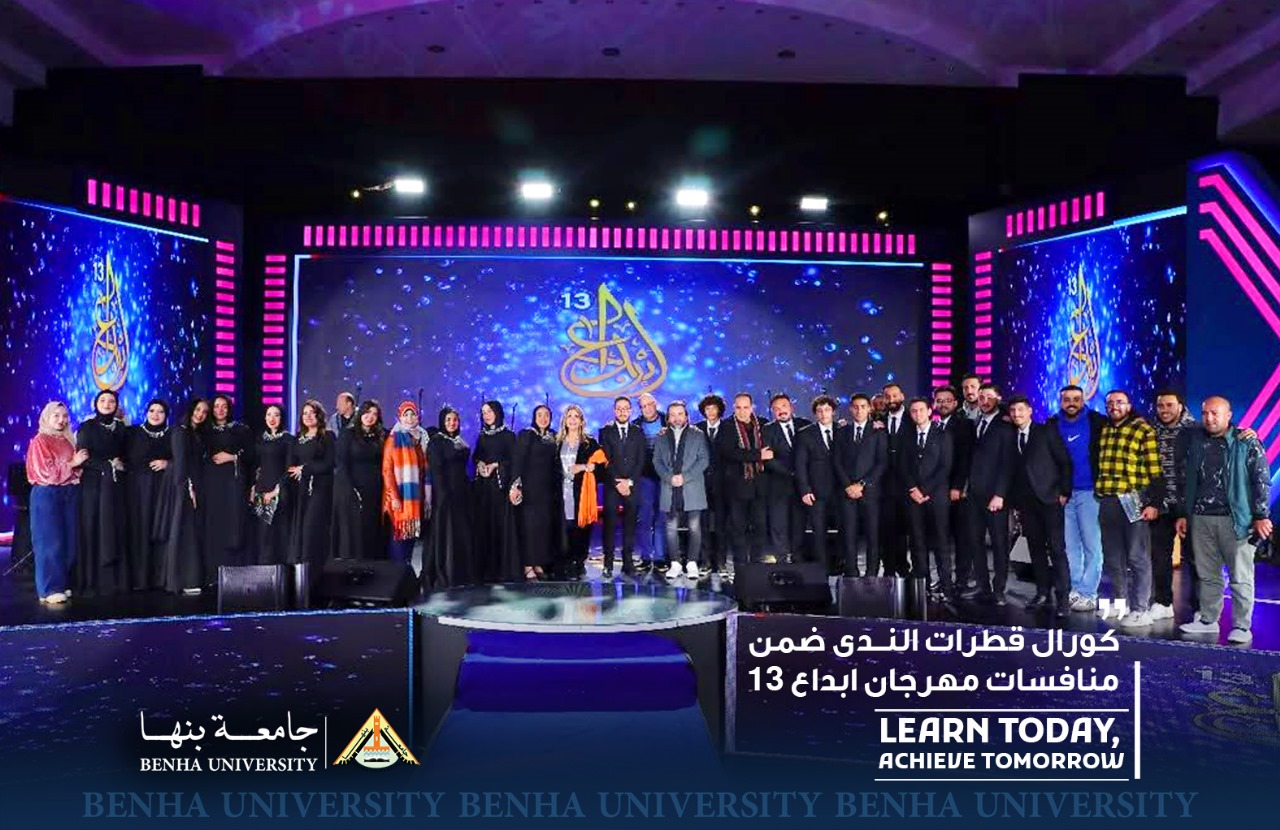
253,588
802,585
347,583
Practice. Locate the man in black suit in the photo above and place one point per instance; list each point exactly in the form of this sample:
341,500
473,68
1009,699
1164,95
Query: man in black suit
946,403
990,473
742,452
861,458
816,477
714,521
624,446
786,513
924,469
1041,489
893,510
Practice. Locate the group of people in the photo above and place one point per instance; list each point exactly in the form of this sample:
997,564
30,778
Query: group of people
917,488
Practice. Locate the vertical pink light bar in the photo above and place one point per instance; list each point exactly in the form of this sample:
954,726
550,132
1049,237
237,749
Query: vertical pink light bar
1075,209
842,242
1100,204
195,214
509,236
1064,217
448,236
866,243
133,201
413,236
146,204
1008,225
120,198
1088,206
330,236
1017,224
173,209
700,239
1053,215
875,243
184,213
1040,223
91,186
665,240
377,236
106,195
592,237
306,236
911,244
520,236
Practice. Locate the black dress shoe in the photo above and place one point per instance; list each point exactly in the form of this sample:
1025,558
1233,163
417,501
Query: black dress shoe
1038,601
1062,611
974,593
1000,600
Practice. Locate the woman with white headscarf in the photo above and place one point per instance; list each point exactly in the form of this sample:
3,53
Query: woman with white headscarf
53,468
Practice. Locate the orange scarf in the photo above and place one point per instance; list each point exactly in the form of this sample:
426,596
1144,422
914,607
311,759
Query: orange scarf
588,506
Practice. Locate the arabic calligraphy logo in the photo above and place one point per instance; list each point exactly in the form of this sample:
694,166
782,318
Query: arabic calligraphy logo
376,745
1084,361
1244,716
614,353
109,358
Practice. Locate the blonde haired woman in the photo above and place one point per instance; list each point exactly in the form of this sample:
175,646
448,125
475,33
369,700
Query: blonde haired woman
53,468
577,465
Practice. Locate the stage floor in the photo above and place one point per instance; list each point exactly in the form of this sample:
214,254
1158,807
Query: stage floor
18,606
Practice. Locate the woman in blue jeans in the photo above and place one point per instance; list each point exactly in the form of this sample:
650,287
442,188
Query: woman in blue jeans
53,468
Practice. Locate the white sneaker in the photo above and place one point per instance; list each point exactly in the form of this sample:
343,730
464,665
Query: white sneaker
674,571
1161,612
192,592
56,598
1239,636
1136,619
68,593
691,571
1104,608
1083,604
1199,625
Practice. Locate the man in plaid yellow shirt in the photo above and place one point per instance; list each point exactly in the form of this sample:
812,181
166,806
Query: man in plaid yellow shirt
1128,472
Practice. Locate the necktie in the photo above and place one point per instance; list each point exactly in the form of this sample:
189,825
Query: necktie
893,425
1022,442
982,428
826,437
786,430
922,440
857,434
712,430
622,430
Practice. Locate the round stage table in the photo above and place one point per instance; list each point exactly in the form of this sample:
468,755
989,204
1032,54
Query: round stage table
584,607
477,644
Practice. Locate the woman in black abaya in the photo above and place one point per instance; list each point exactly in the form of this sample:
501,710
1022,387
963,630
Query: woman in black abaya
272,495
361,524
147,453
181,516
226,484
494,537
448,559
102,564
311,461
535,488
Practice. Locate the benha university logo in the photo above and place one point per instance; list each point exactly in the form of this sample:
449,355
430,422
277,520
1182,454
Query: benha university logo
376,745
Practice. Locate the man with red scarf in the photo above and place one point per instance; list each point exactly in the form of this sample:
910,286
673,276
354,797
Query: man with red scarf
742,451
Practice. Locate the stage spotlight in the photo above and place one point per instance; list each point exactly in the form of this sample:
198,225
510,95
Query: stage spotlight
409,187
537,191
355,194
754,210
882,216
691,197
631,205
813,204
594,204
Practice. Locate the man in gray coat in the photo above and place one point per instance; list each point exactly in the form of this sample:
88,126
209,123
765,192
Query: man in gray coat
680,457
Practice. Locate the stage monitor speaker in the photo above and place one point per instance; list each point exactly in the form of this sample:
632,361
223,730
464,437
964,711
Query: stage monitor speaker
345,583
252,588
803,584
874,597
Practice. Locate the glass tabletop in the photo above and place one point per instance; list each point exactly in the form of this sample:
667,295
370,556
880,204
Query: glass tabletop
575,606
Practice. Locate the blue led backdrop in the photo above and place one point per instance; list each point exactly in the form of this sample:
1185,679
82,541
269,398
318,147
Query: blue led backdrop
97,304
585,330
1104,309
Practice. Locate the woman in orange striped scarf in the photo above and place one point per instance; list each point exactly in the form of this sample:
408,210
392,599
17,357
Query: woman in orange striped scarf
579,455
406,481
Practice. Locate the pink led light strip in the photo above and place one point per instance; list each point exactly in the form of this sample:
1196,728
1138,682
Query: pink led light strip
101,194
523,237
983,289
224,319
941,322
274,324
1050,216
